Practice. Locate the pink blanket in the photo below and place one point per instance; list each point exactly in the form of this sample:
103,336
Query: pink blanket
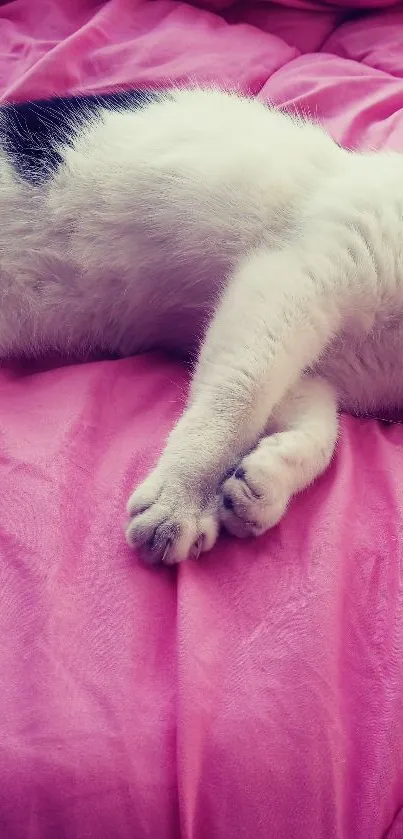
258,693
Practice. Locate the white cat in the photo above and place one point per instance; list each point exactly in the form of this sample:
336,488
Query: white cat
198,218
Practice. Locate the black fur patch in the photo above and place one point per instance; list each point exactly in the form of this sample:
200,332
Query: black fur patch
31,133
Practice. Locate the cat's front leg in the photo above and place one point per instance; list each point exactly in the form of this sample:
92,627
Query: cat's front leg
305,426
273,321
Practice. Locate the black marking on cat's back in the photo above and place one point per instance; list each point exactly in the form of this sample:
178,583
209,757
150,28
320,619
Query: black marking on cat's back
32,133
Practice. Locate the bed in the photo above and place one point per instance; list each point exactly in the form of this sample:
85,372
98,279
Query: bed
258,692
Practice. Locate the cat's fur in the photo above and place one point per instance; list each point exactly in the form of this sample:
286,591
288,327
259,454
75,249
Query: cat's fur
126,225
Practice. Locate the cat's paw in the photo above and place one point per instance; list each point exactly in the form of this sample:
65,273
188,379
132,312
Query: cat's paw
168,523
255,497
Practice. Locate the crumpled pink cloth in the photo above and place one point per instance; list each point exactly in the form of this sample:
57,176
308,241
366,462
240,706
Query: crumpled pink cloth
255,693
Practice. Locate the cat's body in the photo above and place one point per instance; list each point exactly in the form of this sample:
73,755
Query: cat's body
132,223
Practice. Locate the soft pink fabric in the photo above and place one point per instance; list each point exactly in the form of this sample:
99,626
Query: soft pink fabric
258,693
223,5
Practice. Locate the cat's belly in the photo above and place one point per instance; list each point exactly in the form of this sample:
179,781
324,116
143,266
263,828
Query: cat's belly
368,373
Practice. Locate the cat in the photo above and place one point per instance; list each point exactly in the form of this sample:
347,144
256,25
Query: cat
205,222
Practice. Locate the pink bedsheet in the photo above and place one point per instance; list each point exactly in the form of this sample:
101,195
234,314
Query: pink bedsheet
258,693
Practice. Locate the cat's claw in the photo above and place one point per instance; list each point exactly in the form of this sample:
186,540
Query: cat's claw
166,551
196,548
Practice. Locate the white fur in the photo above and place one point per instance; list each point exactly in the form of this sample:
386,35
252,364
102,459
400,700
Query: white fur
207,208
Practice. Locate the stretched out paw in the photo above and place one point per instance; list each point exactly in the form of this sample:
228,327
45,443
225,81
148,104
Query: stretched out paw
168,523
255,497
